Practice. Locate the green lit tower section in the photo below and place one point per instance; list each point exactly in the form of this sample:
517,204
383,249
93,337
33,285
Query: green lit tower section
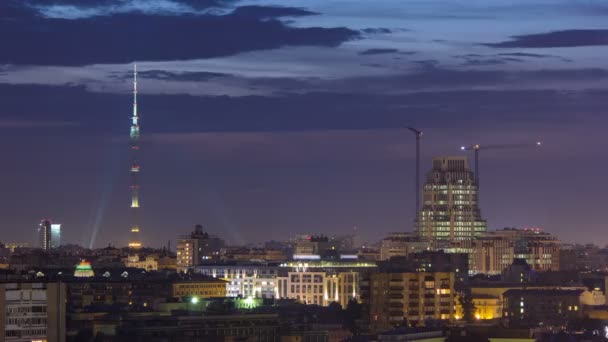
134,238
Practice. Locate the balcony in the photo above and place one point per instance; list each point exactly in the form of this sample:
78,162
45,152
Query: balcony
396,296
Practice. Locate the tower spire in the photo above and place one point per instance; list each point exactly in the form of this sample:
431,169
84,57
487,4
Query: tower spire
134,239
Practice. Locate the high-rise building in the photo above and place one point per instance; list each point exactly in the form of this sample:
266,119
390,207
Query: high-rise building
197,247
49,235
44,235
55,235
134,238
450,211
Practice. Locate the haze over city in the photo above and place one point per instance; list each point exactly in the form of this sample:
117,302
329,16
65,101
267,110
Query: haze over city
294,121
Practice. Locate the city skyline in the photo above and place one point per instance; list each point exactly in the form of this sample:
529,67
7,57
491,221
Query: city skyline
305,131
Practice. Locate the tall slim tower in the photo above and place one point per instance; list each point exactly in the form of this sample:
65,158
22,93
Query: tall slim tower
134,239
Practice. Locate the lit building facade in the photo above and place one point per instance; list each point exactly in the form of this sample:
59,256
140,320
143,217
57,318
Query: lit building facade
495,251
322,282
450,210
55,235
398,298
492,254
196,248
148,263
206,288
49,235
33,312
319,287
244,279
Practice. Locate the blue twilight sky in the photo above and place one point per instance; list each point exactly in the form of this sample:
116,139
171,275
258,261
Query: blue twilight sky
263,119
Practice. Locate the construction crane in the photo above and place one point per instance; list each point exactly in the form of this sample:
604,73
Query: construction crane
475,148
418,135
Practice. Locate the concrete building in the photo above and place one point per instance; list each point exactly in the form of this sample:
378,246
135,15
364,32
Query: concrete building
49,235
401,244
324,281
200,288
400,297
33,312
312,245
257,280
197,247
148,263
494,252
450,208
319,287
555,307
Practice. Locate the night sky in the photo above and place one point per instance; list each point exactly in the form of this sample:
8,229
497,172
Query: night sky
263,119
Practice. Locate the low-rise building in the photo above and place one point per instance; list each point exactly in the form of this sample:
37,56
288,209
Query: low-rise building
555,307
244,279
319,287
200,288
401,244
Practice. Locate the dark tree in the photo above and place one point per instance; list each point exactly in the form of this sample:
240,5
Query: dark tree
468,307
351,315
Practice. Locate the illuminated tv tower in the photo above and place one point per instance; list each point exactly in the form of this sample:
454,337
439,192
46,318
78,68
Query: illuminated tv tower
134,238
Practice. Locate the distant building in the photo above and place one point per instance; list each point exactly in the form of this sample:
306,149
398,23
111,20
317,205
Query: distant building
312,245
199,288
253,254
322,282
44,235
196,248
33,311
494,251
450,210
408,298
55,235
257,280
148,263
315,286
49,235
440,261
555,307
12,246
401,244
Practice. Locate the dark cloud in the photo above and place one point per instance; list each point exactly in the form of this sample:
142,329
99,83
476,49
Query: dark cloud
107,114
379,30
481,60
565,38
265,12
378,51
197,76
129,37
197,4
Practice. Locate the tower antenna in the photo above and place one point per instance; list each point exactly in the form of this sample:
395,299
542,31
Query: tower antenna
134,239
